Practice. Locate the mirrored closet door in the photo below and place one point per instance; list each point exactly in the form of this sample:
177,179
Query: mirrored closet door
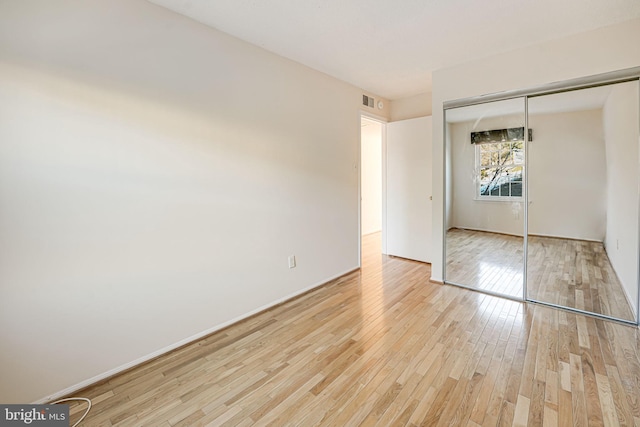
484,211
582,248
542,194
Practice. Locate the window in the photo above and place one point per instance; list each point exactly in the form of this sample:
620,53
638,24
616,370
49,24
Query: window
500,166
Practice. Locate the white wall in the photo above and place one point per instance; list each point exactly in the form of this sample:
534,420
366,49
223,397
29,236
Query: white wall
408,189
371,176
567,178
154,176
567,175
608,49
411,107
622,138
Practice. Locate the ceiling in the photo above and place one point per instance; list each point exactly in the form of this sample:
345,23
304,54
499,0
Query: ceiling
391,47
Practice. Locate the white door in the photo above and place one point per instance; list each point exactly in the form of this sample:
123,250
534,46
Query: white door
408,185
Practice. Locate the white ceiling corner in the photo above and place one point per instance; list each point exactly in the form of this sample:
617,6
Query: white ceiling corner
391,47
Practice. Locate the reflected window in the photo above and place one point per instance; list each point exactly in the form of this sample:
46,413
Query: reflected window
500,167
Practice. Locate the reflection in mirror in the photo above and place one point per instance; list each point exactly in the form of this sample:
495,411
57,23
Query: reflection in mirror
583,200
484,216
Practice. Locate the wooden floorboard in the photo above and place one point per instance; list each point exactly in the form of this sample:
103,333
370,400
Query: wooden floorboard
575,273
565,272
383,346
486,261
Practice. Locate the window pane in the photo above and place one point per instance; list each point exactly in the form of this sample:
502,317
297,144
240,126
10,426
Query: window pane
505,157
501,181
515,174
485,157
518,152
516,189
487,177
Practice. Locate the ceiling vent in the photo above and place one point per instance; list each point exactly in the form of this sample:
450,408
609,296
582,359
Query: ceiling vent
368,101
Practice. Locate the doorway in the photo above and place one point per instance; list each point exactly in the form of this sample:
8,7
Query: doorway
371,185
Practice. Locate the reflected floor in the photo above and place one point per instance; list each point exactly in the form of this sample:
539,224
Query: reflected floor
577,274
486,261
571,273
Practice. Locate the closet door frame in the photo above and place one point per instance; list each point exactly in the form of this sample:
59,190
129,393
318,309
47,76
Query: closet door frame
619,76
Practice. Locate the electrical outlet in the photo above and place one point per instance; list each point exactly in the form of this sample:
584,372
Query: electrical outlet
292,261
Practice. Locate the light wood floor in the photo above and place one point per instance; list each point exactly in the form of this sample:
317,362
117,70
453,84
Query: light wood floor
572,273
576,274
487,261
384,346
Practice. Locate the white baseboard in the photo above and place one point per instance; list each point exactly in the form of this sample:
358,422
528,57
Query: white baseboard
485,230
553,236
579,239
83,384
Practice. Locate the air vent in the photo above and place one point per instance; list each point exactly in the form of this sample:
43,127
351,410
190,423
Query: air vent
368,101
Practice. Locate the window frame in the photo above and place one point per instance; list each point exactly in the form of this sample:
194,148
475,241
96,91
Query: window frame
479,167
